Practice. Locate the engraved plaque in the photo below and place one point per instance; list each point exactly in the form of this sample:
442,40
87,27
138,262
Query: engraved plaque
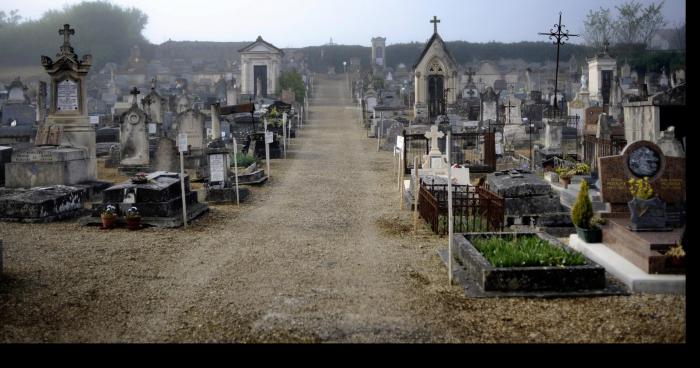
216,165
644,162
67,96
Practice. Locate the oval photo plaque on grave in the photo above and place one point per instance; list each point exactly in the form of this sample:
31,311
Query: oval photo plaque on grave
67,95
644,162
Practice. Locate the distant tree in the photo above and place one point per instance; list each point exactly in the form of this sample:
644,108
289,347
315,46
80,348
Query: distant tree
106,31
636,24
598,28
291,79
12,19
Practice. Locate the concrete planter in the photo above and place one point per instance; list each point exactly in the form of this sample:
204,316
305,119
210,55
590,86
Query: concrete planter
593,235
590,276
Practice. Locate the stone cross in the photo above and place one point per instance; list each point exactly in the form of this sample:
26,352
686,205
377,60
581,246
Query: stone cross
66,32
134,92
435,21
434,135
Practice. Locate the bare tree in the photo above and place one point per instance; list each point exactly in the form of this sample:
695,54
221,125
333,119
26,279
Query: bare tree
598,27
636,24
11,19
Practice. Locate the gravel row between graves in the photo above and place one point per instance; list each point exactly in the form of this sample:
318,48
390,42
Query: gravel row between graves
320,254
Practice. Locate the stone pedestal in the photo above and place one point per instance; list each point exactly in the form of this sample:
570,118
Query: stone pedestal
47,165
553,133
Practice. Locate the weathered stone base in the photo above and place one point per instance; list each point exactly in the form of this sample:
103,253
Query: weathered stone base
227,195
255,178
43,204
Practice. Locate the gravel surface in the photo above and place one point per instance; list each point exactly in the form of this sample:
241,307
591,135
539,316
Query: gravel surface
321,253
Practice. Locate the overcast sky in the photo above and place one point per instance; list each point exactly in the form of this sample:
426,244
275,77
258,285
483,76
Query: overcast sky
299,23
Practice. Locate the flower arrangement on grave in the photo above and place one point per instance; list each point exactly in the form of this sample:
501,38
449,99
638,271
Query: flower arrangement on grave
582,215
640,188
139,178
565,174
133,218
108,216
676,256
647,211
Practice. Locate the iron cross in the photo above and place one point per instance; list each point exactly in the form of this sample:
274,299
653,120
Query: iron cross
66,32
435,21
509,107
558,35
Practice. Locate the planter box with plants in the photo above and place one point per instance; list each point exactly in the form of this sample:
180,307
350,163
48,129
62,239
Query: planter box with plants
525,262
582,216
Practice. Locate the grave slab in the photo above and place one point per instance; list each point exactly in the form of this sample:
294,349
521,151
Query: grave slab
632,276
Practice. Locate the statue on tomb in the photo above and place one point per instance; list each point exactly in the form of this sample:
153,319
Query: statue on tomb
584,79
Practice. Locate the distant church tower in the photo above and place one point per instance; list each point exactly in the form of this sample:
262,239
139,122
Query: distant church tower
379,51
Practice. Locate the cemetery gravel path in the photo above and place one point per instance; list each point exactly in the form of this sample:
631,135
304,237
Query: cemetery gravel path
321,254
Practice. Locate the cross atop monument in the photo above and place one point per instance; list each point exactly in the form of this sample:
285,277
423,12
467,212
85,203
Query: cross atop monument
134,92
470,73
66,32
434,135
435,21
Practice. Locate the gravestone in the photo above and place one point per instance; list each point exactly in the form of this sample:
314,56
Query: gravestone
638,160
154,105
68,105
489,105
669,145
191,123
529,200
159,201
434,163
166,156
133,139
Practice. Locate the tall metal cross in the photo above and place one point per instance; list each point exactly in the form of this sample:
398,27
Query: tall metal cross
66,32
435,21
558,35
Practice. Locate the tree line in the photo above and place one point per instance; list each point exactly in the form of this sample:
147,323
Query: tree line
106,31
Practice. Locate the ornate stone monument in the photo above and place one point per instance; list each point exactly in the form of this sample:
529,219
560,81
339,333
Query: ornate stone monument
68,104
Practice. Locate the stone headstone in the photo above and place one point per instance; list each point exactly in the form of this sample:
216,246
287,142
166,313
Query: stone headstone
670,146
553,134
68,105
166,156
638,160
133,138
191,122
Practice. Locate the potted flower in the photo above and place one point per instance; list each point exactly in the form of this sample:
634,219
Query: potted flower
133,219
676,256
109,216
647,211
582,214
565,175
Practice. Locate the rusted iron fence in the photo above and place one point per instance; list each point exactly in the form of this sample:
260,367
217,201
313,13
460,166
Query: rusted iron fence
474,209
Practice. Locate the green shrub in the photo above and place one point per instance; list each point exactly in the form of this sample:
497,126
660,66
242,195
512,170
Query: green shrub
582,212
525,251
244,160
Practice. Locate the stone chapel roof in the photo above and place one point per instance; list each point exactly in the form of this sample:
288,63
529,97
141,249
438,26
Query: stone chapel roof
436,36
263,42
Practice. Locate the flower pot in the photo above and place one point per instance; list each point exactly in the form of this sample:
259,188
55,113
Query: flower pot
647,214
133,223
565,181
592,235
108,221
